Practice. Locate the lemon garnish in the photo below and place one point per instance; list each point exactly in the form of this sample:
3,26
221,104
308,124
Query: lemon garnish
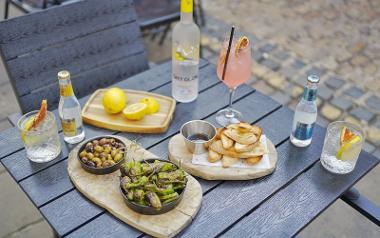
346,151
135,111
242,43
152,105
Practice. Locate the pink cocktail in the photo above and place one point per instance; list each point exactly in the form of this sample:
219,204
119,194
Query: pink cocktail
237,72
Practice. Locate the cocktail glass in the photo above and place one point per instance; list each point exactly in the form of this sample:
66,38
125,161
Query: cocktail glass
42,144
341,158
238,71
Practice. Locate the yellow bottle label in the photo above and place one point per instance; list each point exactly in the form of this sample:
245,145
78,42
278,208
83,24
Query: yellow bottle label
187,6
66,90
69,127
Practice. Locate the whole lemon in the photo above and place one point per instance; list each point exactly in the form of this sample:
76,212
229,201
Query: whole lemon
114,100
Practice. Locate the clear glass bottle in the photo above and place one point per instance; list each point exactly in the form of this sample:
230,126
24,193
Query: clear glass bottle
185,55
305,115
69,110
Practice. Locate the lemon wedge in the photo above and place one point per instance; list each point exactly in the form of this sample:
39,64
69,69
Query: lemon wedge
152,105
242,43
135,111
27,126
347,151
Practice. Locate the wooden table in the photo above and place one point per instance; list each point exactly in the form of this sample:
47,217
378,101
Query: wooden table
278,205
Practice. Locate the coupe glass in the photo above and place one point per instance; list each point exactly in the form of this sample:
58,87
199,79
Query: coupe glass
42,144
338,158
238,71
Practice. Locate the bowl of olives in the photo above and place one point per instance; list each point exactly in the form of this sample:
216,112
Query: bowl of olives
102,154
152,186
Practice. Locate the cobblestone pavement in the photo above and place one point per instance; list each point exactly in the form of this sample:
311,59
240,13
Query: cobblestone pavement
338,39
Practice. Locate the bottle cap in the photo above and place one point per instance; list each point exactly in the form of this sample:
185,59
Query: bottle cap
313,78
64,74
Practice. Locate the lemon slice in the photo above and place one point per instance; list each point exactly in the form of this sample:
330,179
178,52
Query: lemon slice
347,151
135,111
27,126
152,105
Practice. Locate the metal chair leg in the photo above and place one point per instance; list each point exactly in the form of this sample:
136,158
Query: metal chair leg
6,9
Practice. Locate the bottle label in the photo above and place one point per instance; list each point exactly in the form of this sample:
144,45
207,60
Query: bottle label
303,131
66,90
309,94
69,127
187,6
184,78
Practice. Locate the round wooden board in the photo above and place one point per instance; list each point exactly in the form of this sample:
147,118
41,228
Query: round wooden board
179,155
104,191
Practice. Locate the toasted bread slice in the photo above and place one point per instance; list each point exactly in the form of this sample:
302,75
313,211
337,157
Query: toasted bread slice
253,160
228,161
226,142
245,138
244,148
213,156
256,151
219,132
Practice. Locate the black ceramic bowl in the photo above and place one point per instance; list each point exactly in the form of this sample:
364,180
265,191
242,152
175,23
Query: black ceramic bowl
147,210
95,170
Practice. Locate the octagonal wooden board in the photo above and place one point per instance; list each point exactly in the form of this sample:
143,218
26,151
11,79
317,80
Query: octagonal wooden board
93,113
179,155
104,191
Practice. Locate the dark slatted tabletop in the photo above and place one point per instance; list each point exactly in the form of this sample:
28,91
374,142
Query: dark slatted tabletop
278,205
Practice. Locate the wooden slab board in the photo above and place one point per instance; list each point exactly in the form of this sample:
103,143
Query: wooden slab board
179,155
104,191
93,113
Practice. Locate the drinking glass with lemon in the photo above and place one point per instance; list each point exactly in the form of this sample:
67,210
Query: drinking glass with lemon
342,146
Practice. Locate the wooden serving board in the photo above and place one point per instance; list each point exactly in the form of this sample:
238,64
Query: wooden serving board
179,154
94,114
104,191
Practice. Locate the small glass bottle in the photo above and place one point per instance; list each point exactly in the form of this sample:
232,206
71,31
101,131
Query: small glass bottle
305,115
69,110
185,55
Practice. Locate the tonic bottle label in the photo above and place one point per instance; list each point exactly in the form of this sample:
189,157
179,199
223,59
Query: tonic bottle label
303,131
66,90
69,127
309,94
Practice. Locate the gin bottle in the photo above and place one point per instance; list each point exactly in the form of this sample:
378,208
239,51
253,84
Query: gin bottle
185,55
305,115
69,110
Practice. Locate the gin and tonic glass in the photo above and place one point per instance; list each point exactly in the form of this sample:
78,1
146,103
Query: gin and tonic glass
42,144
338,157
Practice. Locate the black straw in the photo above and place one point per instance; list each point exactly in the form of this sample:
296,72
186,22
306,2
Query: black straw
228,51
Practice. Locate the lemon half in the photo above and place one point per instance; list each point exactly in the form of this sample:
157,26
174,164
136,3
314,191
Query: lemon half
135,111
152,105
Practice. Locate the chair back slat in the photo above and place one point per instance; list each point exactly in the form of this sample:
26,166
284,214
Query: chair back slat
81,37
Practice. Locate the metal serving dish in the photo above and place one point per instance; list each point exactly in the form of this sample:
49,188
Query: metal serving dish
106,170
147,210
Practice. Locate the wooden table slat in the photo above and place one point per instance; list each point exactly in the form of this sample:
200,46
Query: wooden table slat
105,225
68,217
291,209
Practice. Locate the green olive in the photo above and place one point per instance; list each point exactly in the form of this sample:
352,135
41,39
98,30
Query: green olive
107,149
83,153
103,141
96,154
97,161
98,148
103,159
118,157
113,153
90,155
109,157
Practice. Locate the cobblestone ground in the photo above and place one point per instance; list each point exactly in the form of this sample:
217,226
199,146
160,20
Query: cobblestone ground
338,39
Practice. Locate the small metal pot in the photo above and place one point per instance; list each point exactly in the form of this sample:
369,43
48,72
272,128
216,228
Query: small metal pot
194,128
95,170
147,210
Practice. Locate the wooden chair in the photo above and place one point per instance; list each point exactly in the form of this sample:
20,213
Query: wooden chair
98,41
